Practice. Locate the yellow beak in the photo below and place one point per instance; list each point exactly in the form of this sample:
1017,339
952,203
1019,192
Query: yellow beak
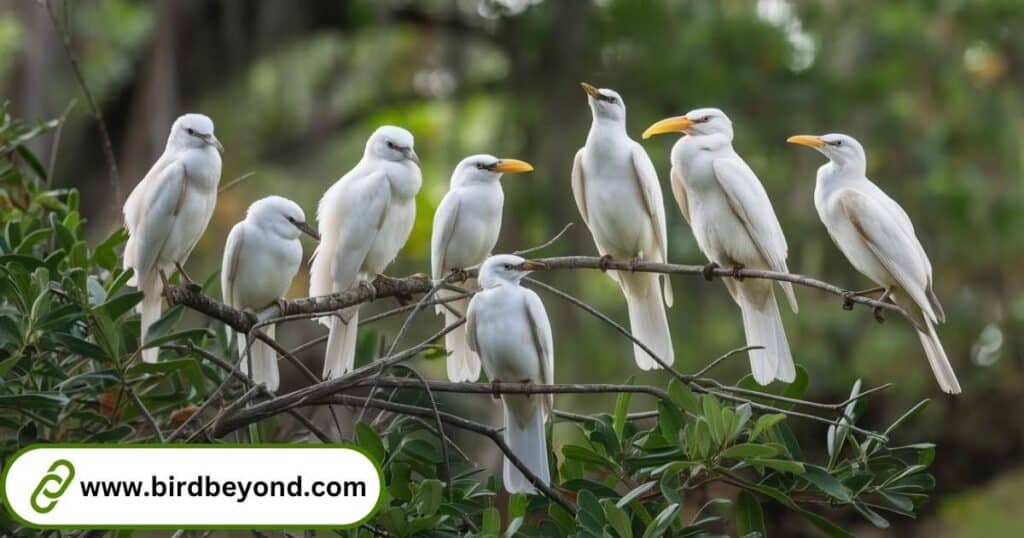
678,124
591,91
512,166
532,265
806,140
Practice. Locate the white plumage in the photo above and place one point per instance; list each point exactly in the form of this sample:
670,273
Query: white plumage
262,255
735,226
876,235
508,327
466,227
168,211
618,195
364,219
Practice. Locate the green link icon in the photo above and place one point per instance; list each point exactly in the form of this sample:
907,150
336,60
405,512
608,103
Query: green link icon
60,485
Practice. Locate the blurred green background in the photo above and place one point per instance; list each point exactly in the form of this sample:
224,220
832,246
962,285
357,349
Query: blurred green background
933,89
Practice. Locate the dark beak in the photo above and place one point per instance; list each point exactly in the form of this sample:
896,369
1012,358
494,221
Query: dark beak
532,265
411,155
307,229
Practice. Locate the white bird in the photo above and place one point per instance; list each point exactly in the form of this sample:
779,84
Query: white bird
364,219
618,195
168,211
735,226
466,227
262,255
509,328
876,235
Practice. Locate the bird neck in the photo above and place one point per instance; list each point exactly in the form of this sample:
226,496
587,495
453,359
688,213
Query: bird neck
603,127
713,141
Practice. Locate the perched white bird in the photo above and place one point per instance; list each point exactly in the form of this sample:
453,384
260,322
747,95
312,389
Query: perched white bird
168,211
735,226
876,235
509,328
365,219
466,227
261,257
618,195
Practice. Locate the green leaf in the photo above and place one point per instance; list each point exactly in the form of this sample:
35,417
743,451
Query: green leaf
79,346
399,485
872,516
516,505
749,450
617,518
491,524
825,525
117,306
635,493
420,450
787,466
749,517
682,396
669,485
912,412
586,455
798,387
33,400
428,496
827,483
165,324
712,411
589,513
368,439
670,421
661,522
583,484
190,335
621,411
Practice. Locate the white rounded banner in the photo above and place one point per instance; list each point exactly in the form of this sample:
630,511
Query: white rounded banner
190,486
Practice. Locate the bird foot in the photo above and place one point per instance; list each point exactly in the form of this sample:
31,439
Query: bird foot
496,389
634,263
370,288
187,279
604,262
736,271
166,285
282,306
879,314
848,300
458,275
709,271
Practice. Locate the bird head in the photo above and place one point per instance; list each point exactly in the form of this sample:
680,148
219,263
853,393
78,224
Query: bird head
506,268
486,169
280,216
605,103
393,144
839,148
698,122
194,131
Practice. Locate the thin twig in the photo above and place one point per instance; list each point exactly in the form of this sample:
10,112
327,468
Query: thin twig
145,412
545,244
56,142
236,181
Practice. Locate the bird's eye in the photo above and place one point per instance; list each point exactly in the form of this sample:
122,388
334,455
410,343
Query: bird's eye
837,143
611,100
705,119
291,220
481,166
391,144
508,266
190,131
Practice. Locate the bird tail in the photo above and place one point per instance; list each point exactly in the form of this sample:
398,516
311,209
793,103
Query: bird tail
647,319
149,309
528,441
937,359
264,360
762,324
341,343
463,363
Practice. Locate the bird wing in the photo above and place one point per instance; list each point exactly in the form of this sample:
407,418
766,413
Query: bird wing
362,206
445,220
579,186
134,205
471,328
229,267
751,204
540,328
679,192
896,249
650,190
162,201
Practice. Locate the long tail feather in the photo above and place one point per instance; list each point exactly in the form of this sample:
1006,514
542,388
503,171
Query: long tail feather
762,324
341,344
938,360
528,442
647,319
150,309
264,360
463,364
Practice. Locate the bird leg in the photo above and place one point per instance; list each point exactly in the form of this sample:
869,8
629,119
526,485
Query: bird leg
878,311
604,262
849,295
458,275
709,271
167,285
736,271
189,283
282,305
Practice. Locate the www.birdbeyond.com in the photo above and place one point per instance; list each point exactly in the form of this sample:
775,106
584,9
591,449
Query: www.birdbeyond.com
510,268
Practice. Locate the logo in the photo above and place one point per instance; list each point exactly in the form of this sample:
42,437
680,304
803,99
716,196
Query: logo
52,486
